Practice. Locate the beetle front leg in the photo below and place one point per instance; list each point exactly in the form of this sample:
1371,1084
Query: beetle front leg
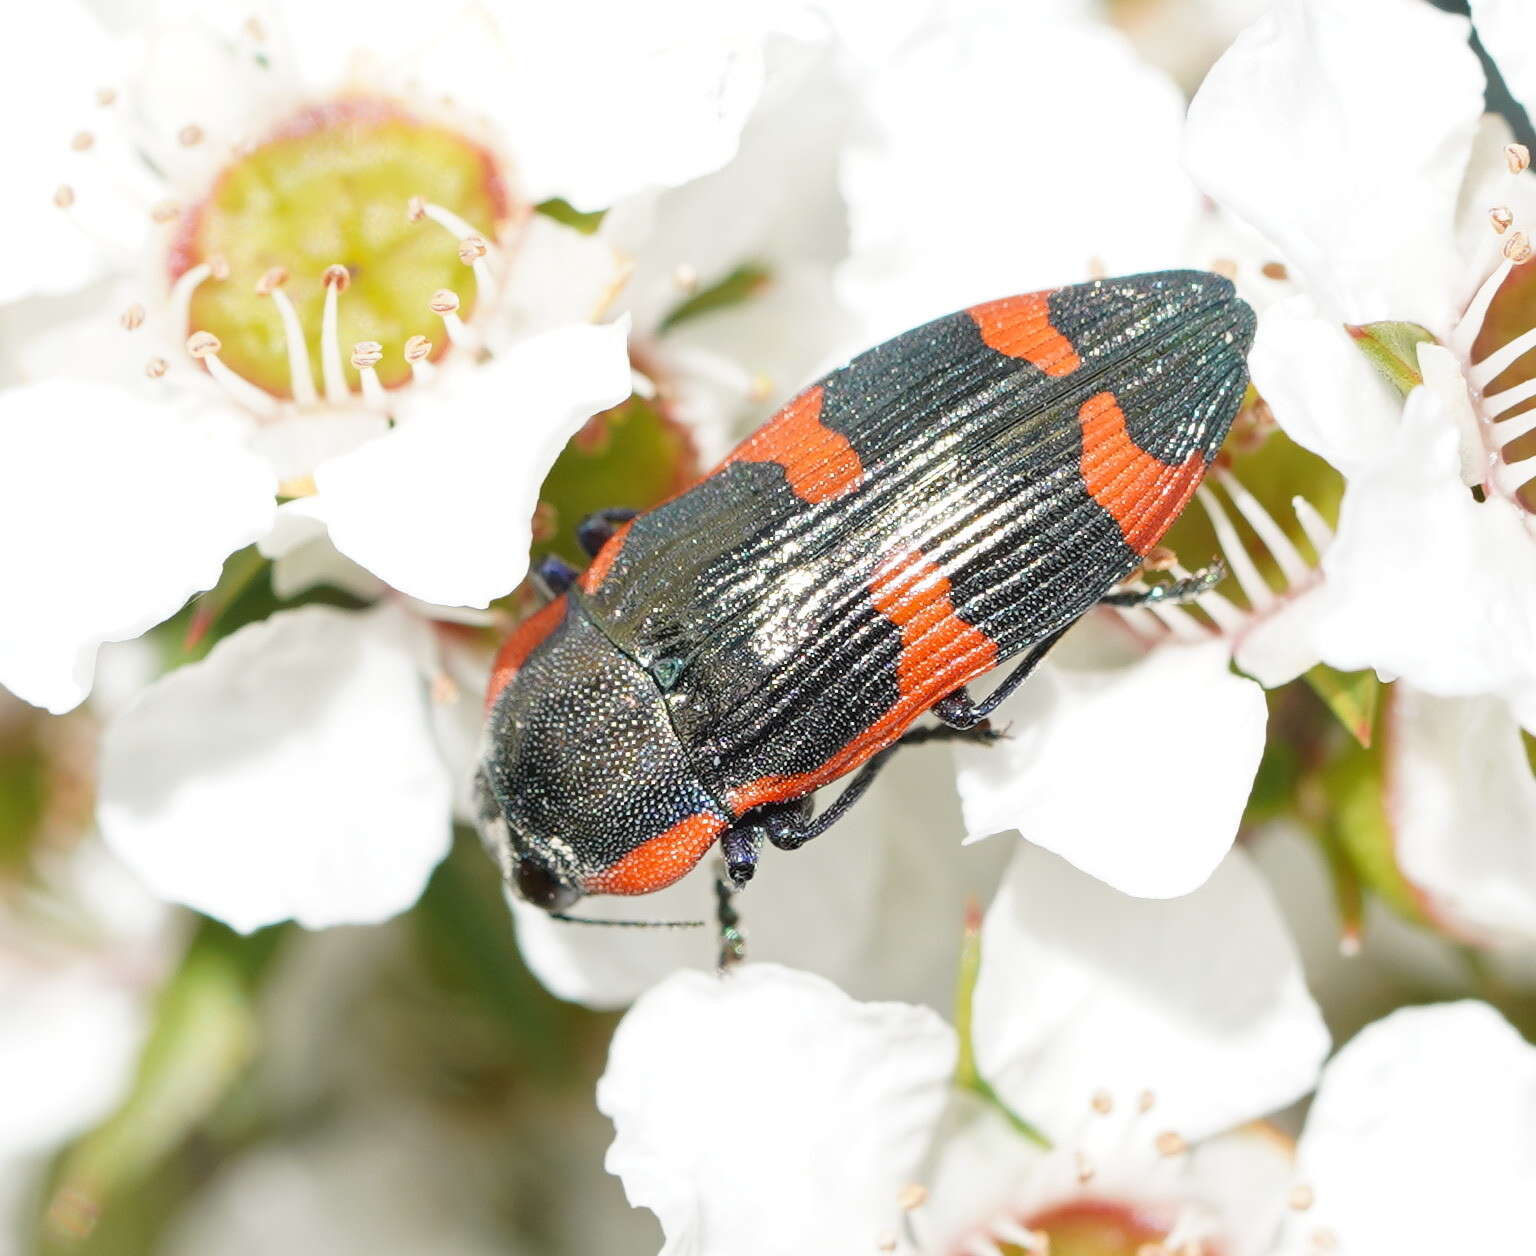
1175,593
597,529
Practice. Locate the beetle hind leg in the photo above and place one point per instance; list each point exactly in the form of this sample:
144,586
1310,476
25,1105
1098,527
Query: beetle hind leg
962,712
1175,593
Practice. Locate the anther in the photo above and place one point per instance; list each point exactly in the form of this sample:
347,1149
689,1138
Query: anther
1501,218
1145,1100
366,354
164,211
417,349
203,344
1103,1102
338,277
686,278
1301,1198
472,249
1517,157
416,208
1327,1240
271,280
445,304
81,141
255,30
445,690
1159,558
1225,267
155,368
190,136
1518,247
1084,1168
1274,270
911,1196
106,96
1170,1143
218,267
444,301
133,317
64,196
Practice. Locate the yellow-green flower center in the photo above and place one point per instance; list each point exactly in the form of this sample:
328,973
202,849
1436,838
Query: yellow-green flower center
333,186
1091,1227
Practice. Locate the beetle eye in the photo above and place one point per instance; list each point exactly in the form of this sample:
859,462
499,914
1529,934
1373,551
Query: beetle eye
536,884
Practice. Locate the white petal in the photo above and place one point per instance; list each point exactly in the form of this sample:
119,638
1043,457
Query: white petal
975,114
48,80
1463,807
1286,133
1504,28
869,905
1178,717
1323,392
558,276
1281,644
303,556
826,1106
1470,626
1199,1000
440,508
290,774
647,97
296,443
1421,1136
114,513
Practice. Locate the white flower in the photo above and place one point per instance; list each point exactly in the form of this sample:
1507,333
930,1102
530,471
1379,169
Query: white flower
295,152
1130,1032
293,773
1391,224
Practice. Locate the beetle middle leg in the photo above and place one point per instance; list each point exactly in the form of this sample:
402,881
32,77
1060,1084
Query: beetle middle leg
789,826
960,711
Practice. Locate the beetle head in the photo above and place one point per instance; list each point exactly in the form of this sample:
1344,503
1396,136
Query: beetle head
584,787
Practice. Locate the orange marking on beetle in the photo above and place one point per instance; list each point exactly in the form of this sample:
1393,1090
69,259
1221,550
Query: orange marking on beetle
520,643
1021,328
940,652
597,571
1142,493
819,463
665,858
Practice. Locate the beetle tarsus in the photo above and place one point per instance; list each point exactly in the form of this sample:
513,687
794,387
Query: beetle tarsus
733,942
597,529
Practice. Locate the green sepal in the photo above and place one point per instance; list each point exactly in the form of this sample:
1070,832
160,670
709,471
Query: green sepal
203,1041
967,1076
1393,349
562,211
1352,697
743,283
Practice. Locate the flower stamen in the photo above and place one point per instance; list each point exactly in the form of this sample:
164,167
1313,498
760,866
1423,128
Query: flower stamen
418,349
184,287
366,354
1288,558
445,304
301,378
204,346
337,279
1500,360
1260,596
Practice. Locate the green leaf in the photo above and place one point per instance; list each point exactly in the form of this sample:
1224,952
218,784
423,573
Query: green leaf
741,284
561,210
1393,349
1352,696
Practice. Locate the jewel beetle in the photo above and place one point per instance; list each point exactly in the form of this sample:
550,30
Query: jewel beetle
949,500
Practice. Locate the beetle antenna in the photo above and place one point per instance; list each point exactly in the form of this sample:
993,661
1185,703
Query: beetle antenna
628,924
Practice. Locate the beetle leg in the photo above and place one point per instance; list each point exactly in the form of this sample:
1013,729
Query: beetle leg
1177,593
740,847
789,830
555,575
597,529
960,711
